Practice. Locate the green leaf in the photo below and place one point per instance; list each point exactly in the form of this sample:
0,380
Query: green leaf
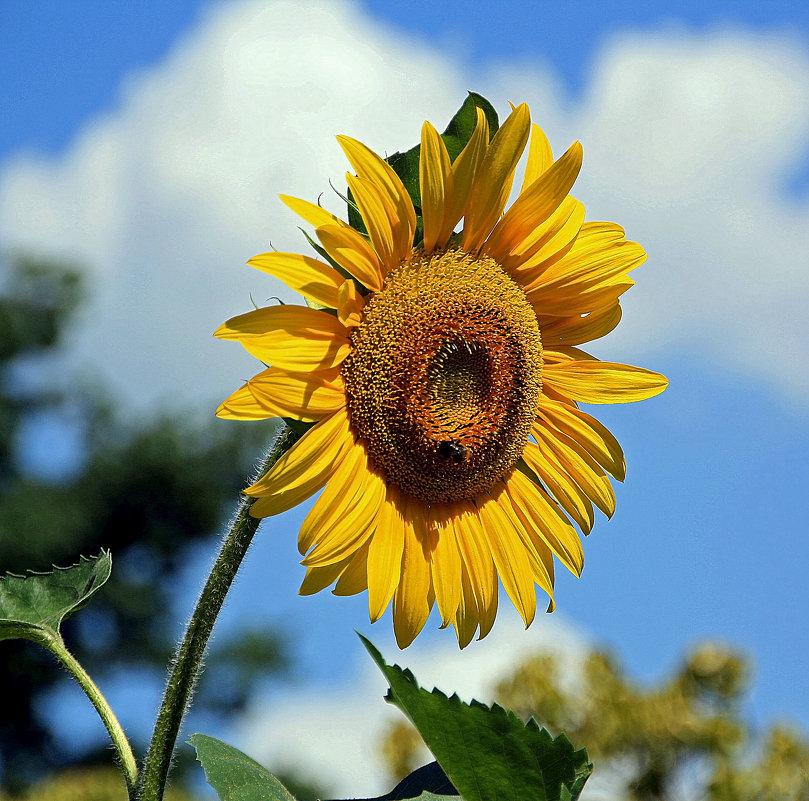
456,135
236,777
33,607
461,126
489,754
233,775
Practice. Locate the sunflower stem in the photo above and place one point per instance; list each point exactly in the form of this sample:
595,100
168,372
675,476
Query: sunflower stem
187,664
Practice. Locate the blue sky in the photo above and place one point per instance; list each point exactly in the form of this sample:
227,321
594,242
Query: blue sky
122,142
63,62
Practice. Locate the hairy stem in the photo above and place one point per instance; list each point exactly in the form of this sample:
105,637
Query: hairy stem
127,759
187,664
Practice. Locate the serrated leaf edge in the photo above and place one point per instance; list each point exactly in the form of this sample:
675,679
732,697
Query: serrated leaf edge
32,573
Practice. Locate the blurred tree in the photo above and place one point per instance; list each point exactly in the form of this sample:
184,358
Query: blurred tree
682,739
149,493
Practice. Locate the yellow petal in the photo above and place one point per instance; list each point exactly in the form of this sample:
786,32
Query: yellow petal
539,555
268,506
353,253
566,492
312,213
494,176
372,206
412,598
579,300
318,578
304,468
539,513
595,438
596,265
488,613
462,176
293,338
534,206
596,236
545,244
308,398
540,157
434,172
579,465
577,329
242,405
313,279
603,382
368,165
476,556
564,354
610,264
510,558
301,396
385,554
350,305
445,564
354,579
344,516
466,617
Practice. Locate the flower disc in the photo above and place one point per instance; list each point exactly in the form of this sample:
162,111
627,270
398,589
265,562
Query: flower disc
443,379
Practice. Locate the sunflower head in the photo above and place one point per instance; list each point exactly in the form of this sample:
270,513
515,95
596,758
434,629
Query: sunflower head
439,363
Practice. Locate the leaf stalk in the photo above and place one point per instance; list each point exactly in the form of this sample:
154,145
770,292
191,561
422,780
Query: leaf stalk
129,766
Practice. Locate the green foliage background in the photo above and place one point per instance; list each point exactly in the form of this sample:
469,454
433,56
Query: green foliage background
149,491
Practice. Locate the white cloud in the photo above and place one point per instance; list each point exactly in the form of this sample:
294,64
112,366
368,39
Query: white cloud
687,141
167,196
334,734
699,135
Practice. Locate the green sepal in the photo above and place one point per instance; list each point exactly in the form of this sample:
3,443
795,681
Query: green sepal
487,753
354,217
299,427
33,606
406,165
233,775
323,255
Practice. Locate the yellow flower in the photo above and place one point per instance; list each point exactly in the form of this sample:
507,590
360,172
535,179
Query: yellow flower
444,380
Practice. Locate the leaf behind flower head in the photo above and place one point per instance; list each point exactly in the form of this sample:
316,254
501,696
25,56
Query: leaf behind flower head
456,135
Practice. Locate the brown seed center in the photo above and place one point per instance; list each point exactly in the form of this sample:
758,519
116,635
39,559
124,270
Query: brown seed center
444,375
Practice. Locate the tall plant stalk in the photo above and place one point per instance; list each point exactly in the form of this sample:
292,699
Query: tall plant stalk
187,664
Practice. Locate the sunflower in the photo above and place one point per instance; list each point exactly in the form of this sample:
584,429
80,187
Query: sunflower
444,379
